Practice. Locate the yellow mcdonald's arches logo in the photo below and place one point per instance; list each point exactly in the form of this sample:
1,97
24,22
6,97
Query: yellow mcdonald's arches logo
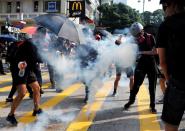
76,6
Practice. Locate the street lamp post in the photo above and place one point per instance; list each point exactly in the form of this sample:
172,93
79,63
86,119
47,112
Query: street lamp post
143,4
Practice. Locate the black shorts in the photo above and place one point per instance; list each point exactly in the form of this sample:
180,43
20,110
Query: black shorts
174,105
129,71
28,77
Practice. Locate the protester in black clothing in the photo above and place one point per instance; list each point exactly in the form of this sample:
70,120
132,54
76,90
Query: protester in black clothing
86,55
23,74
1,67
1,63
10,58
11,51
55,50
145,65
170,44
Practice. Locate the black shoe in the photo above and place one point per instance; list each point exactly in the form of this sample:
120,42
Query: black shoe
3,73
9,99
160,101
153,110
12,120
59,90
127,105
39,111
85,99
114,94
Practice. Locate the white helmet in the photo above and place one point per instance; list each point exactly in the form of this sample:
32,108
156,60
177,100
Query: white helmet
136,28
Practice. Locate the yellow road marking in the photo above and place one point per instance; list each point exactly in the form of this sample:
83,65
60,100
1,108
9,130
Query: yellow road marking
5,80
148,121
4,104
4,89
86,116
9,79
28,118
7,88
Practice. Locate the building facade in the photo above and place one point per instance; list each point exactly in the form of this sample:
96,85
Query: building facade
16,11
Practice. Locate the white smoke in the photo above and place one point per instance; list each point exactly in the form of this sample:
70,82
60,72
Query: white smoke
68,67
69,71
44,121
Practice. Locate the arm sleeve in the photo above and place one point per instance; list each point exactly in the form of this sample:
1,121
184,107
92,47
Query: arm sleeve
162,36
153,41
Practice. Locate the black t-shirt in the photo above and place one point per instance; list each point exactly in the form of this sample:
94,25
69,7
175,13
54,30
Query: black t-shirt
171,36
86,54
28,52
146,43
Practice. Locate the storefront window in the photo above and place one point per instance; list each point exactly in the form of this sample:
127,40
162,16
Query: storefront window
36,6
9,7
18,6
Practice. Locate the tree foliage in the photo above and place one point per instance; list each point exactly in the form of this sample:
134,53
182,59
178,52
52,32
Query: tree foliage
118,15
154,18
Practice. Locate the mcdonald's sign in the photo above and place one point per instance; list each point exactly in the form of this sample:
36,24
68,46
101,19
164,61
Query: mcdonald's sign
76,8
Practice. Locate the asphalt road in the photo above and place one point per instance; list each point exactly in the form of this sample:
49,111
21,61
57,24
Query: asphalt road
66,111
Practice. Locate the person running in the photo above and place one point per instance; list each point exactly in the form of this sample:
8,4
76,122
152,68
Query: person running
170,45
23,74
146,65
10,58
129,72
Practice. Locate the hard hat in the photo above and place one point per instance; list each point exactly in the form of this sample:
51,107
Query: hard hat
136,28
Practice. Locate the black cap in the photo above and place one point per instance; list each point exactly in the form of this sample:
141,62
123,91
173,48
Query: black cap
165,1
179,2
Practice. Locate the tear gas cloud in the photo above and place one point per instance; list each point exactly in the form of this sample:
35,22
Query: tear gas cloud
45,120
69,69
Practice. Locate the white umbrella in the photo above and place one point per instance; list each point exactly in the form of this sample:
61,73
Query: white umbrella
61,26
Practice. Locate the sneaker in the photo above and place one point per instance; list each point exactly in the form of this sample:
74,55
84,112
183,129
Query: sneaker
160,101
39,111
12,120
153,110
113,94
59,90
9,99
127,105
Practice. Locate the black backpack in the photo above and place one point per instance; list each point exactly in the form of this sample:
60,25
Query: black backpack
12,51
